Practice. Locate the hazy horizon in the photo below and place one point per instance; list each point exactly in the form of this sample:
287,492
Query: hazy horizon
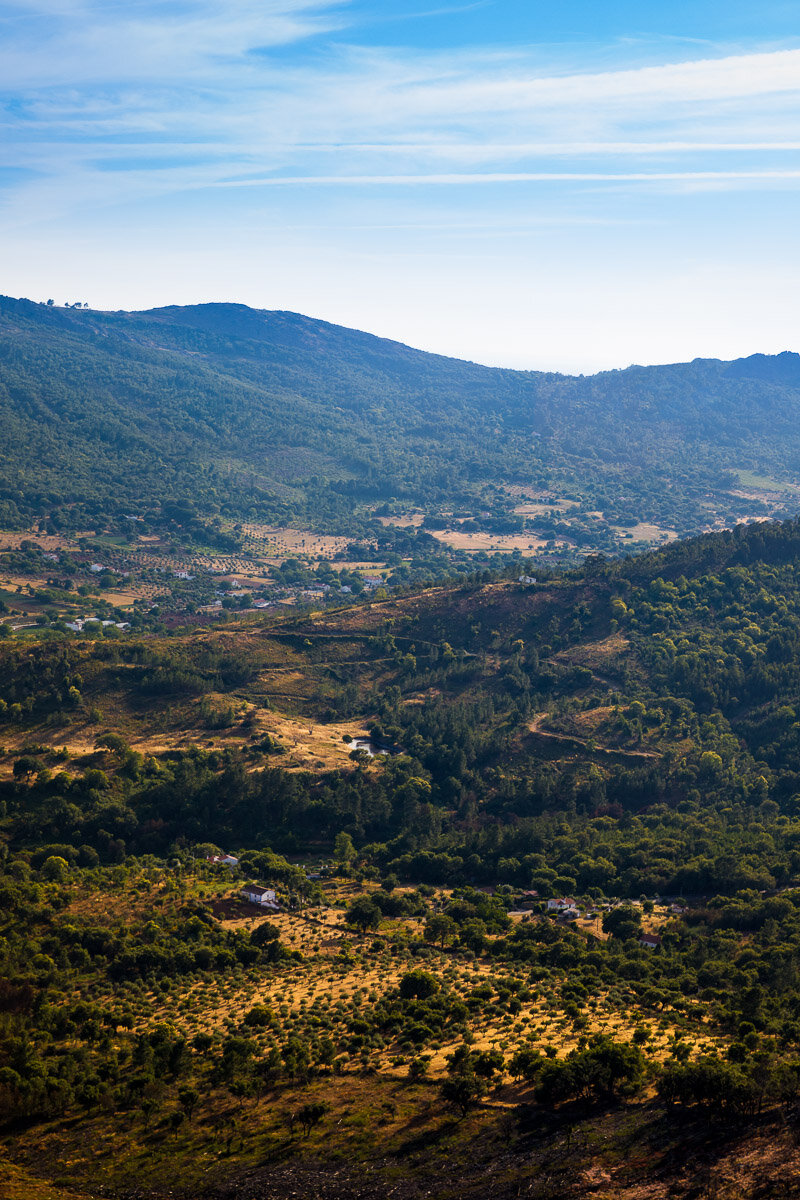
399,341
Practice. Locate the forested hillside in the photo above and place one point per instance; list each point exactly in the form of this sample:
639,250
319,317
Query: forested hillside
419,779
244,414
533,834
667,683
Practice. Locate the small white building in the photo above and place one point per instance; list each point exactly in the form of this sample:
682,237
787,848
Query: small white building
264,897
561,904
650,941
223,860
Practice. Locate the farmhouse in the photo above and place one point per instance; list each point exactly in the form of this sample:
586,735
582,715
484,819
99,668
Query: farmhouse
223,860
561,904
651,941
265,897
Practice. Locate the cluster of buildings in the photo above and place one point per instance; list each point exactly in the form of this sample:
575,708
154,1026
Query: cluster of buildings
77,625
566,907
253,893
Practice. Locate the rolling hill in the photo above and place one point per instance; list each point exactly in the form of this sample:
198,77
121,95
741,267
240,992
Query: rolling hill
621,739
221,412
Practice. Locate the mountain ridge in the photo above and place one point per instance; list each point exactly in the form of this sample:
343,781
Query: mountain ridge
267,415
786,362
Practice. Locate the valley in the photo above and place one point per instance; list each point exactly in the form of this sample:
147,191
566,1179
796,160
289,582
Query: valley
287,606
558,919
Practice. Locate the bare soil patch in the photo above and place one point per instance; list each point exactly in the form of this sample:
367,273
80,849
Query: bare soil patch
595,654
13,539
488,541
645,532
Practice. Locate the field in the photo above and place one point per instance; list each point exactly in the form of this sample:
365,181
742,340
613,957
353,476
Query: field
414,1011
50,543
646,532
327,992
543,507
281,543
764,483
505,543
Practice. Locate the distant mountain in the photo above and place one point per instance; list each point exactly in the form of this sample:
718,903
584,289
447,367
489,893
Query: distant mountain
239,413
771,368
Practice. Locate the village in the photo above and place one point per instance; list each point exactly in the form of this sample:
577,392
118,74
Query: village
94,585
521,904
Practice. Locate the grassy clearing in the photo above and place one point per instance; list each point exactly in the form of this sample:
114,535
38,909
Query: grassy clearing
16,1183
646,532
765,483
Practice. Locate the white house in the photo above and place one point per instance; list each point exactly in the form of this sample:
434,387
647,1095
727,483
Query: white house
561,904
223,860
265,897
651,941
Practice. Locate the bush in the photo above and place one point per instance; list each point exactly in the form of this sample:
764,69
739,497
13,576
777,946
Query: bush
259,1015
605,1069
418,985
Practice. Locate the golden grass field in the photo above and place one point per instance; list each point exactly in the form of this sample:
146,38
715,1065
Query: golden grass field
645,532
342,972
50,543
282,541
308,745
488,541
339,969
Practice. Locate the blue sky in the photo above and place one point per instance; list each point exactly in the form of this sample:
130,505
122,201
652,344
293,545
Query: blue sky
569,187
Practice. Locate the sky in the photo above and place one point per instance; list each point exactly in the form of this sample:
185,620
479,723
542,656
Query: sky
571,186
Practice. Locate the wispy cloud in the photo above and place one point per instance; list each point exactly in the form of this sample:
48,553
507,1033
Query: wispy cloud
52,44
149,74
132,102
486,177
177,149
